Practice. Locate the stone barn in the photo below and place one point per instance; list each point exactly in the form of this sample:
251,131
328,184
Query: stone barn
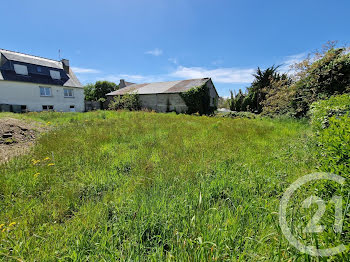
166,96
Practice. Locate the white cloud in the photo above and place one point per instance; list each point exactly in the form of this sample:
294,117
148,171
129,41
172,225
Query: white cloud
220,75
291,60
135,78
155,52
173,60
80,70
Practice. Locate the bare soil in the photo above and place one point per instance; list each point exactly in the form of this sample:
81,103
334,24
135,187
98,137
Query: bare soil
17,137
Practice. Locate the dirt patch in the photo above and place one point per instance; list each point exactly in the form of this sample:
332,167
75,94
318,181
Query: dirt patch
17,137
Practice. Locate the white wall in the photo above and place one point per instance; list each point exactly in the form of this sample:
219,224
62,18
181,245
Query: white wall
21,93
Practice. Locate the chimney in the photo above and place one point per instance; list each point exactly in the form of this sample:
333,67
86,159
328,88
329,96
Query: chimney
65,63
122,83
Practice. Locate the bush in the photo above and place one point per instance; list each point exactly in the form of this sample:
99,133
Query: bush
331,121
127,101
321,111
334,143
197,100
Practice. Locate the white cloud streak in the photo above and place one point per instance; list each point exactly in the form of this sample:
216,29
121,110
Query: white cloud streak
220,75
286,66
155,52
135,78
80,70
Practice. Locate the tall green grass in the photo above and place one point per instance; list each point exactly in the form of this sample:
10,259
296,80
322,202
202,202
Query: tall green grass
146,186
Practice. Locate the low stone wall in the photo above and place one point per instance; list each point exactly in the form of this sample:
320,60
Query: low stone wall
92,105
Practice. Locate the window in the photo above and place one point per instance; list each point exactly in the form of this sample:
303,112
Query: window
72,108
21,69
45,91
38,68
47,107
68,92
55,74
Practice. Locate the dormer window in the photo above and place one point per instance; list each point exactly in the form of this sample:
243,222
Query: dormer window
55,74
21,69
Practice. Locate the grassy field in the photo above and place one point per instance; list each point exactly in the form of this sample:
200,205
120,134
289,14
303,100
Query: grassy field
102,186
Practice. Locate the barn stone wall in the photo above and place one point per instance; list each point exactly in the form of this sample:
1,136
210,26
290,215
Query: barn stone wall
163,102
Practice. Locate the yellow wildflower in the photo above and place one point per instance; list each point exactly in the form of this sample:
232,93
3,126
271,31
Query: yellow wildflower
51,164
36,174
1,226
35,161
12,224
46,158
4,229
48,123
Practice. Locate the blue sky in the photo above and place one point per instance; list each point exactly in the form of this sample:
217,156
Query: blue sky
160,40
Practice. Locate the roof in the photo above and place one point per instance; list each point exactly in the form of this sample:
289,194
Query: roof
161,87
31,59
68,79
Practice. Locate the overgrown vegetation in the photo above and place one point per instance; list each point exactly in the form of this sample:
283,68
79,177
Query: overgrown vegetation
319,76
128,101
98,91
147,186
197,100
331,121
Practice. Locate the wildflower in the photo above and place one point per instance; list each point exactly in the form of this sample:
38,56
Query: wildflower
51,164
46,158
12,224
35,161
36,174
1,226
48,123
4,229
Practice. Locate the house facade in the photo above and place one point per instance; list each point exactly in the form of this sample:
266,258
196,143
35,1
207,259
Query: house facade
166,96
31,83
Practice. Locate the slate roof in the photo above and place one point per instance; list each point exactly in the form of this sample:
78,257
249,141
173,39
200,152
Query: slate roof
7,72
30,59
161,87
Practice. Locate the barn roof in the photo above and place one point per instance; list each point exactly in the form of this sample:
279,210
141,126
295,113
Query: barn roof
161,87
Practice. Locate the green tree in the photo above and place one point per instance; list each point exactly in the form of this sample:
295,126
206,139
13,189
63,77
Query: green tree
327,76
261,86
98,91
89,92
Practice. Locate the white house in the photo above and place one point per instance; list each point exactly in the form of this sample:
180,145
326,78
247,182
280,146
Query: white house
32,83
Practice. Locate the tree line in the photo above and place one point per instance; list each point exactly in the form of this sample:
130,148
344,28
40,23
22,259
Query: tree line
321,75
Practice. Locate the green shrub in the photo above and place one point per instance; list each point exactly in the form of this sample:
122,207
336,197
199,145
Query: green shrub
197,100
321,111
331,120
334,143
127,101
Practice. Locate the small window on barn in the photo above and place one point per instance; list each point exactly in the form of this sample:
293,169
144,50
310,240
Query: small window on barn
21,69
55,74
45,91
38,68
72,108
